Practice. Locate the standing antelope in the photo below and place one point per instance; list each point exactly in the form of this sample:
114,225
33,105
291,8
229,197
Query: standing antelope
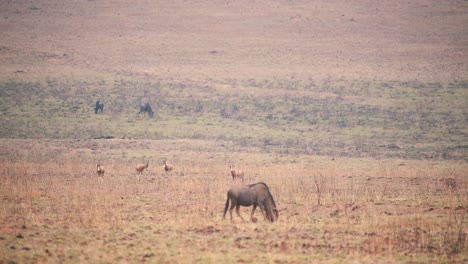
451,183
236,173
100,172
140,168
167,166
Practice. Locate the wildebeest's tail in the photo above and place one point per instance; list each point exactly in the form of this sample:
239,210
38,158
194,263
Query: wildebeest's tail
226,206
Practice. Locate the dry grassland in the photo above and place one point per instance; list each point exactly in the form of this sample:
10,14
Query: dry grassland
332,210
353,112
200,40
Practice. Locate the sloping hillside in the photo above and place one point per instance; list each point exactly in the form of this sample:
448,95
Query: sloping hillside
199,40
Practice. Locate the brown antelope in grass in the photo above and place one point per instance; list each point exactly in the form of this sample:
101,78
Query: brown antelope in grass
236,173
451,183
167,166
100,172
140,168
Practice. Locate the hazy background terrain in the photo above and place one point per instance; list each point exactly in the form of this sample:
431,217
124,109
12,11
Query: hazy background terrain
219,40
316,77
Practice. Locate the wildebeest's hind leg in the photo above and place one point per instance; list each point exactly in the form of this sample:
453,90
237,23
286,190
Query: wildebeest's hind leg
233,204
226,208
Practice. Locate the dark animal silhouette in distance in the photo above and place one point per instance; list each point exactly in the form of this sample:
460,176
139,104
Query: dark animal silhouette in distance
146,108
99,107
257,194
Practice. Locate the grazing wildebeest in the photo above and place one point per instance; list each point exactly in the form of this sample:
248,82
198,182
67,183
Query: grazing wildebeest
257,194
99,107
146,108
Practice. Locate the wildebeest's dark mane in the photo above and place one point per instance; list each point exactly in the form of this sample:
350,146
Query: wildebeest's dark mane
268,190
251,185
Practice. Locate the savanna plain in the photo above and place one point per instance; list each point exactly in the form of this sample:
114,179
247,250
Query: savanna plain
354,114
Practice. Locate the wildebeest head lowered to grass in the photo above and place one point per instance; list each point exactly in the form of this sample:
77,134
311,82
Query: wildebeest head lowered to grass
257,194
146,108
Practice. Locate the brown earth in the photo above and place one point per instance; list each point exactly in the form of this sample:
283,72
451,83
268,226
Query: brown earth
201,40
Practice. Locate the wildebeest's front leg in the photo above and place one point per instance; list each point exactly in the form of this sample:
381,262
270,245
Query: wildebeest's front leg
238,213
262,209
253,211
